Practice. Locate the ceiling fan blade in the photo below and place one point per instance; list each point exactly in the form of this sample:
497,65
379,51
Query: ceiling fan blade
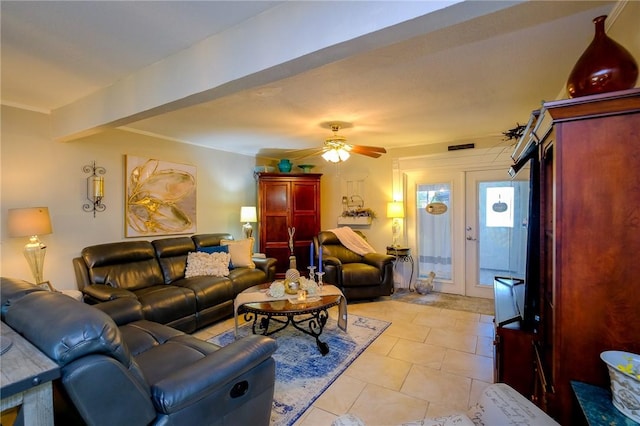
361,148
306,153
368,153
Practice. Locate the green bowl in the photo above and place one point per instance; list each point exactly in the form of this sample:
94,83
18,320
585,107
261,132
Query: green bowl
306,168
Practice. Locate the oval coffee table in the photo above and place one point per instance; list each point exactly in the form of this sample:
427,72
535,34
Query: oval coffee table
309,316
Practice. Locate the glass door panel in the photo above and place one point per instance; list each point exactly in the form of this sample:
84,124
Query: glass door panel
497,219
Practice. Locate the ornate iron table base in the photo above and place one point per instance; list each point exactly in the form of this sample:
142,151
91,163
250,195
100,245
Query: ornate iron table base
311,323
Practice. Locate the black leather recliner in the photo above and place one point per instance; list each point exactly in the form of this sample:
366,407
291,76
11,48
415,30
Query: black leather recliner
129,371
359,277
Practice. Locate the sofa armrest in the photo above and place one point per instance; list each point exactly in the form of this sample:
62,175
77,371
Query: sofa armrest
122,310
189,385
267,265
378,260
97,293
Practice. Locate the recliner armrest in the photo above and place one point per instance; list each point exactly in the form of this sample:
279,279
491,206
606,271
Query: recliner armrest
377,259
265,264
188,385
122,310
331,260
96,293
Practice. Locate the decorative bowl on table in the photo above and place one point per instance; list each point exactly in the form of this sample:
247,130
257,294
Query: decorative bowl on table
624,373
306,168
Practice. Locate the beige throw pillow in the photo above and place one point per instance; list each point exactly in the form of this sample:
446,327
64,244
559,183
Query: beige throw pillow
201,264
241,252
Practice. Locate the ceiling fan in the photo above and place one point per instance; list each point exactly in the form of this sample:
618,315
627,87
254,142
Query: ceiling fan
336,149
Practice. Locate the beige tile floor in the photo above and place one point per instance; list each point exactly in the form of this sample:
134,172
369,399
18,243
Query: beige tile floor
428,362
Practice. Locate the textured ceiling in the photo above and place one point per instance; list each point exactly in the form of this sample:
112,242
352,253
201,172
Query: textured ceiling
462,71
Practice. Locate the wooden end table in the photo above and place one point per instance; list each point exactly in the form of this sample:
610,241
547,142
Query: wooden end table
26,379
309,317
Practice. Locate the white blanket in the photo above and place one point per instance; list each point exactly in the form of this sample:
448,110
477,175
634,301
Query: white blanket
351,240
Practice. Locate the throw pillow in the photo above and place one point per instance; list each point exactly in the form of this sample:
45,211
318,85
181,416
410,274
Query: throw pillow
216,249
241,252
201,264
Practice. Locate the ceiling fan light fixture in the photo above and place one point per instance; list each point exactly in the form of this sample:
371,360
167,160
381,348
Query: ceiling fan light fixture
343,154
336,155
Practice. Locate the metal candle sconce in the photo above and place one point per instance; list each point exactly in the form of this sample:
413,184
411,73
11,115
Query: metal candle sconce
95,189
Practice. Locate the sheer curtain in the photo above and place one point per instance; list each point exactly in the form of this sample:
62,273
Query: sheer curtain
434,230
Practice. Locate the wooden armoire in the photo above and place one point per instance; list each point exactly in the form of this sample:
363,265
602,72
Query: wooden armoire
288,201
590,244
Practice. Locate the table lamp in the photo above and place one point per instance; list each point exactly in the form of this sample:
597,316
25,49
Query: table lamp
31,222
248,214
395,211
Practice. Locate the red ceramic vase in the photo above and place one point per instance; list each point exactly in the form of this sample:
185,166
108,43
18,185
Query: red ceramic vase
605,66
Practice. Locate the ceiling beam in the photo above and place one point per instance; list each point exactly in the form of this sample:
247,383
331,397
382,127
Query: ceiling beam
288,39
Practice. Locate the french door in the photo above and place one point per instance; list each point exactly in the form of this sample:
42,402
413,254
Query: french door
467,227
495,229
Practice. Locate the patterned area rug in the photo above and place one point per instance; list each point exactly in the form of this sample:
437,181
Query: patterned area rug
302,374
446,301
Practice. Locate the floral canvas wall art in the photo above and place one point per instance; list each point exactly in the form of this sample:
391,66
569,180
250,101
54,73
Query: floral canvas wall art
160,197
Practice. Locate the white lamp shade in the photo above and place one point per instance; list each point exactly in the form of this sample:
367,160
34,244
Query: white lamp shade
248,214
395,210
29,221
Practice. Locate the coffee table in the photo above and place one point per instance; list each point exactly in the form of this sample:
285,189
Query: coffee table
309,316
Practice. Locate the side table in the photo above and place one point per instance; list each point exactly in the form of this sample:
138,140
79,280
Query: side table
25,380
402,254
597,408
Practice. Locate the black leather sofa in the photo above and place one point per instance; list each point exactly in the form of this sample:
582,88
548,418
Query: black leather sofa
359,277
153,272
130,371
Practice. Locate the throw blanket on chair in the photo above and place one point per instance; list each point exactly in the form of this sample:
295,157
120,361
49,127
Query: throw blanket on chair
351,240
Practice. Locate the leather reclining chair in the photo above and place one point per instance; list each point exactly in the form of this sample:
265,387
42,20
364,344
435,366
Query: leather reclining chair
140,372
358,277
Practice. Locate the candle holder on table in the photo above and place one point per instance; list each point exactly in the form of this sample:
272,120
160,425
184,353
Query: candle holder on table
311,272
320,274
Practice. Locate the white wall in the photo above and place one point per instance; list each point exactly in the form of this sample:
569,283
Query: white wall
39,172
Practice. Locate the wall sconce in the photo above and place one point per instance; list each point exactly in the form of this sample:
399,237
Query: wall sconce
248,214
395,211
31,222
95,189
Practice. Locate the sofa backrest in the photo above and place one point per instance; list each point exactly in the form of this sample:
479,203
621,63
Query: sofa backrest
12,290
130,265
172,255
64,328
209,240
330,245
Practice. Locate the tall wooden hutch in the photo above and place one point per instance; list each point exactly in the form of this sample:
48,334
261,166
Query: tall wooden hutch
288,201
589,247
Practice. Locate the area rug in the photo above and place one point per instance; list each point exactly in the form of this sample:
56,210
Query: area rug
302,374
446,301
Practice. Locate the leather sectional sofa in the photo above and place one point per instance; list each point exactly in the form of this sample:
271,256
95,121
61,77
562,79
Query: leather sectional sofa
129,371
153,272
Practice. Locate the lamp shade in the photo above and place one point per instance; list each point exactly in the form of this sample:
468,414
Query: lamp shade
395,210
248,214
29,221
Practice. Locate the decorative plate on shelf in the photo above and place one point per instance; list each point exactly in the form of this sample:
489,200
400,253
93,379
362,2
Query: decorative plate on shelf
306,168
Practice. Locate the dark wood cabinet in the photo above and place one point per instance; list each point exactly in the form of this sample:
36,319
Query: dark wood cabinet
589,242
286,202
513,343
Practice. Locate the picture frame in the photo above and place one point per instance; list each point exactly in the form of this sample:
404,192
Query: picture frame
160,197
